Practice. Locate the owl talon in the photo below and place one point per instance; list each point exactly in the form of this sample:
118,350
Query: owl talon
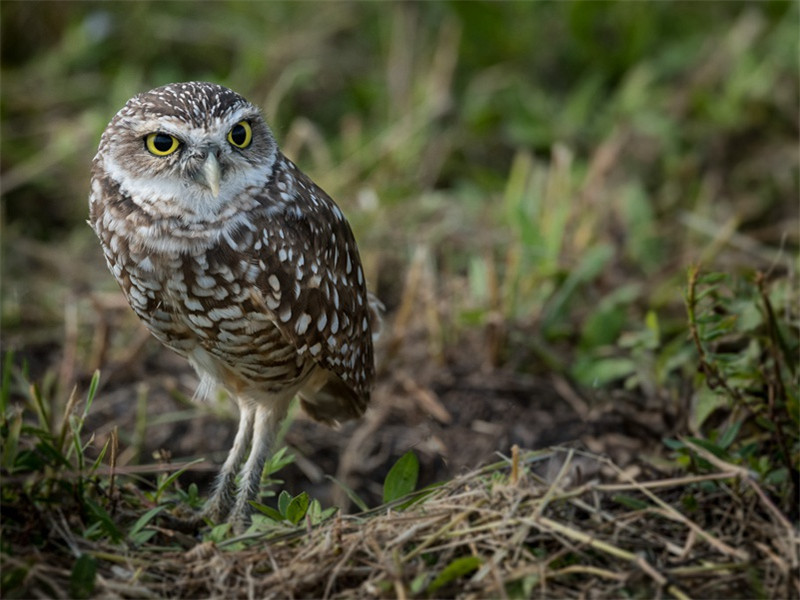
239,524
189,524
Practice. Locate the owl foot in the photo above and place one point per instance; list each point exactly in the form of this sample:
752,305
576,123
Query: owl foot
189,521
190,524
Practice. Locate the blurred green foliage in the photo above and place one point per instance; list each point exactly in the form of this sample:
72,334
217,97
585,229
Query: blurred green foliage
494,78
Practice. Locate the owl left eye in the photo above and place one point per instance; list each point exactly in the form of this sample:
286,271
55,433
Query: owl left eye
241,135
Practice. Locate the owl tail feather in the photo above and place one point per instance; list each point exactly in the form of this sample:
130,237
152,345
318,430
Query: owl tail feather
333,403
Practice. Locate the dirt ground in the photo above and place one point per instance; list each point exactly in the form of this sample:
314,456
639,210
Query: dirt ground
455,412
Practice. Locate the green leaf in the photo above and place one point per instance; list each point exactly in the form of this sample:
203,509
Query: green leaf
402,477
267,510
651,321
76,443
418,583
278,461
317,514
142,537
217,533
419,496
28,461
81,580
457,568
729,435
283,502
603,326
522,588
706,402
708,445
673,444
777,477
630,502
297,508
598,372
41,408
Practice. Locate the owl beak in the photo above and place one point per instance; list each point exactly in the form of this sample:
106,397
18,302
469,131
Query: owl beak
210,174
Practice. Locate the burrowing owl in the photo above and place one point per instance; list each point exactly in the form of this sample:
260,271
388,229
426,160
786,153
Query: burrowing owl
236,260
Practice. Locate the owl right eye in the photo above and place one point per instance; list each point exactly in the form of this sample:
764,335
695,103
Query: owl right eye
161,144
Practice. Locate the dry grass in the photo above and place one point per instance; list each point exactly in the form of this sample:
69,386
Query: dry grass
502,531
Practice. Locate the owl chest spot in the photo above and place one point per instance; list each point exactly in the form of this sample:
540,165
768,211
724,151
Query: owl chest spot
204,308
216,303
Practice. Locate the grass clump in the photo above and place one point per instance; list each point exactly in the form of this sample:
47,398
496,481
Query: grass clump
503,530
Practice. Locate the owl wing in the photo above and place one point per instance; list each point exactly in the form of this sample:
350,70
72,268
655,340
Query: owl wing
314,286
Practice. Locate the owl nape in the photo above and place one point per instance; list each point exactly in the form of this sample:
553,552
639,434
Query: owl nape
237,261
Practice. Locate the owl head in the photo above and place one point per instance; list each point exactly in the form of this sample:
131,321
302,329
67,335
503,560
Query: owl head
187,150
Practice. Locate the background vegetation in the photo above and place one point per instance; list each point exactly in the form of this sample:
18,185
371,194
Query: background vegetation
591,204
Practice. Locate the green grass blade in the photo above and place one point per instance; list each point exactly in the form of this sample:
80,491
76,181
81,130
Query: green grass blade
171,478
5,384
457,568
354,498
99,460
90,394
142,521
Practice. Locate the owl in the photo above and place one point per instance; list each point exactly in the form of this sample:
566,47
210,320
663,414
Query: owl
237,261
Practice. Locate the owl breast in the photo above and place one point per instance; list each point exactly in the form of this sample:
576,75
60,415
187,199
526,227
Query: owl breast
202,300
213,313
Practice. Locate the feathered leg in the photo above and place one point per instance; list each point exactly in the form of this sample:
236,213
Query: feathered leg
219,504
250,481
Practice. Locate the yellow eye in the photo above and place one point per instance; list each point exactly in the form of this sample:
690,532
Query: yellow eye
241,135
161,144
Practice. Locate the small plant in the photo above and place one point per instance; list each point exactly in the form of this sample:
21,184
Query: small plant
401,479
290,509
746,410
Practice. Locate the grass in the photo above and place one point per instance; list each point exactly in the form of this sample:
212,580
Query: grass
580,205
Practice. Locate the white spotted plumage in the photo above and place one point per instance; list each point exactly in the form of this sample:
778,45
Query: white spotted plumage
236,260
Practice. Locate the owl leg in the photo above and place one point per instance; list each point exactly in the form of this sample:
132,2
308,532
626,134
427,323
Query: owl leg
221,499
250,476
219,503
